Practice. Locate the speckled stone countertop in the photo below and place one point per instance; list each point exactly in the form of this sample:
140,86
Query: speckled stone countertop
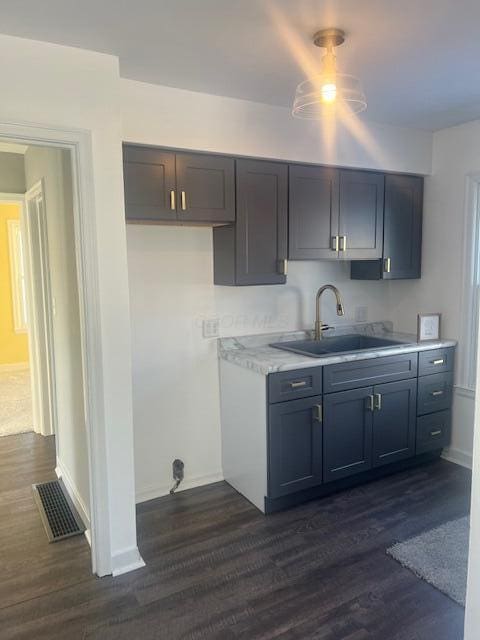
253,352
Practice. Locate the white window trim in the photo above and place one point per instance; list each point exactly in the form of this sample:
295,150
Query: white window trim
467,351
17,277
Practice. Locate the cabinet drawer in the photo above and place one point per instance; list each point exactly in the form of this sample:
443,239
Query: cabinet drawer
435,361
435,393
363,373
290,385
433,431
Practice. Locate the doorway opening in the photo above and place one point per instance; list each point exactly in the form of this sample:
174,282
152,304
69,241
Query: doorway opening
43,429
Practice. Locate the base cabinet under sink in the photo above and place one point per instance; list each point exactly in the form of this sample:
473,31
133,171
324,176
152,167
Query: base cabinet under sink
280,448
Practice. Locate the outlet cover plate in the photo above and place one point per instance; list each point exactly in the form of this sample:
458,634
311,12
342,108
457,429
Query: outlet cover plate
211,327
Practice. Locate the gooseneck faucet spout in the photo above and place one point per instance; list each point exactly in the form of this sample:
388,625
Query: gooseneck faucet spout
340,309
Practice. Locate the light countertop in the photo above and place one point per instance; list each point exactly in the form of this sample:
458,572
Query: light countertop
253,351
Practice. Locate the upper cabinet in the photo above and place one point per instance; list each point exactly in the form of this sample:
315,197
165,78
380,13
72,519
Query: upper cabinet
402,242
335,213
254,250
261,211
313,212
163,186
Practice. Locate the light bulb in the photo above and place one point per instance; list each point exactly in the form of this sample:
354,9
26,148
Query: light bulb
329,92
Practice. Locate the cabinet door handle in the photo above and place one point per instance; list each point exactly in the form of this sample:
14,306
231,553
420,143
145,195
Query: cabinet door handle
439,361
343,243
297,385
335,243
436,433
377,402
317,413
283,266
172,200
437,393
183,199
370,404
387,265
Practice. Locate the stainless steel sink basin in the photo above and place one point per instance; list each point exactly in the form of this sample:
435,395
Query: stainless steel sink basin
338,344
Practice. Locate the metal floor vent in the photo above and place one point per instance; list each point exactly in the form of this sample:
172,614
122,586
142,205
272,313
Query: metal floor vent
59,516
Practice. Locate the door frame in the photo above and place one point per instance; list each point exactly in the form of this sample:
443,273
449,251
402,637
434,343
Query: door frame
79,144
44,416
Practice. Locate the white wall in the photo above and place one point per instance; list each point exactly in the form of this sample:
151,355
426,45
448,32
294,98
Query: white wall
456,153
69,88
176,395
12,173
54,166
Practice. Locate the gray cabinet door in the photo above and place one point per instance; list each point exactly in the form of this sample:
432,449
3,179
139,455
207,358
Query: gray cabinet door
261,227
347,433
149,180
295,446
313,212
394,421
403,227
205,188
402,233
361,214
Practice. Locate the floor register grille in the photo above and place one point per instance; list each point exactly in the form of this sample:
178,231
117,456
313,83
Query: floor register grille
59,516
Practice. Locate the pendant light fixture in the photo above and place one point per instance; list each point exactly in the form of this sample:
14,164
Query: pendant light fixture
330,91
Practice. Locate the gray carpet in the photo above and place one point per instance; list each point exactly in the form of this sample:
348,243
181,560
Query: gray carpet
15,402
439,556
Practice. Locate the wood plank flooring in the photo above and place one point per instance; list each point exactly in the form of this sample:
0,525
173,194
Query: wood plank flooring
219,570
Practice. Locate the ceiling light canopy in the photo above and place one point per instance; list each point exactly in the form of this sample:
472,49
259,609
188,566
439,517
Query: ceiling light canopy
330,91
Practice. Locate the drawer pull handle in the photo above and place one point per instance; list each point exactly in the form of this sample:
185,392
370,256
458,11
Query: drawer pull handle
335,240
439,361
437,393
343,243
387,265
183,198
173,206
297,385
377,403
436,433
318,413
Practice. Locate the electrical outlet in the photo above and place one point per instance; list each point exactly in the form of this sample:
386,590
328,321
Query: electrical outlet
211,328
361,314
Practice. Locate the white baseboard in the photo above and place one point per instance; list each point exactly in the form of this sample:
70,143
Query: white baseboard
75,498
126,560
463,458
158,491
14,366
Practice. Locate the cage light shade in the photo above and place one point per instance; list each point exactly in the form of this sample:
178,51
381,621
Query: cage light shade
320,95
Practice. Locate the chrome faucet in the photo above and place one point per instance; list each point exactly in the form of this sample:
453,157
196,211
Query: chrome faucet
340,310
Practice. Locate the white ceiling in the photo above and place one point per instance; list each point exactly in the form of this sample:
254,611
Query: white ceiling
419,60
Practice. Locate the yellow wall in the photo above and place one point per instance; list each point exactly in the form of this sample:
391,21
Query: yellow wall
13,346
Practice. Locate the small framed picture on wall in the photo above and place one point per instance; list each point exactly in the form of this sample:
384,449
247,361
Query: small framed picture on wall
428,326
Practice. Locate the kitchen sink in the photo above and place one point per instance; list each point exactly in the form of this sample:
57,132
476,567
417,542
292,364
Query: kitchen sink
336,344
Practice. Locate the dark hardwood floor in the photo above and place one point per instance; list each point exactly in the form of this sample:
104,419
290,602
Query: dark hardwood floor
219,570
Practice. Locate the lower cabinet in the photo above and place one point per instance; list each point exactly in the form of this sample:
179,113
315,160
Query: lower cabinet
295,446
327,437
347,433
368,427
394,421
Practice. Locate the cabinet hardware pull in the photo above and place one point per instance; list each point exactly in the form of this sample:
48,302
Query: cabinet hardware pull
343,243
335,243
183,199
318,413
370,403
172,200
387,265
377,401
437,393
296,385
439,361
283,266
436,433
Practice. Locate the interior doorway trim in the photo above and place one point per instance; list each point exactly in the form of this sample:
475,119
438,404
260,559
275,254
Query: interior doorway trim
78,142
